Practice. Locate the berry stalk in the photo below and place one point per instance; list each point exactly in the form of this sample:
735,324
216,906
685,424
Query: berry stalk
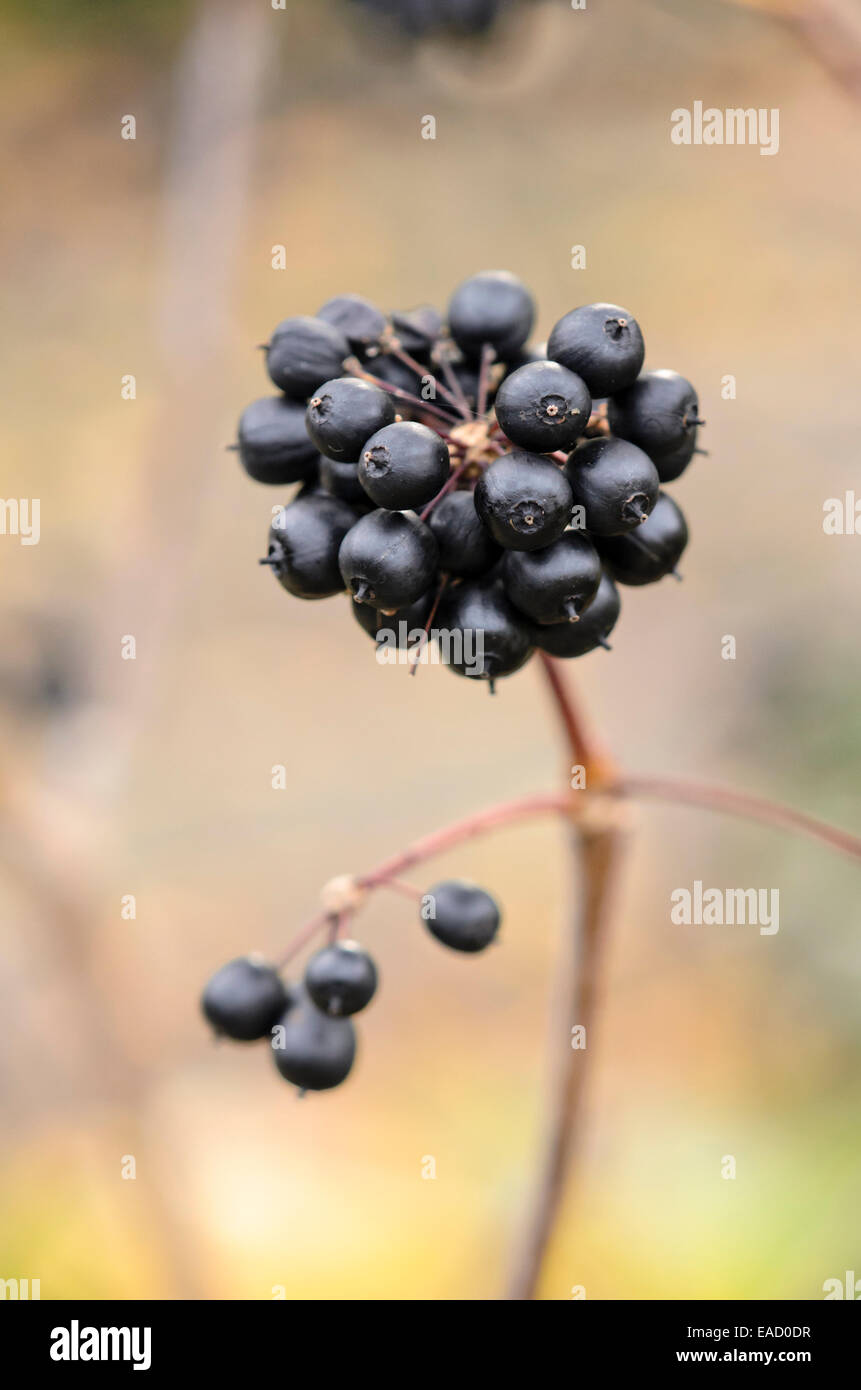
596,860
596,848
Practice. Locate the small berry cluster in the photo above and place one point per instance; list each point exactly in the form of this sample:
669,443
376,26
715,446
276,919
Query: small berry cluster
310,1024
451,471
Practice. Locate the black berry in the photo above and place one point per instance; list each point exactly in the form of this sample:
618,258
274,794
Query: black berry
524,500
672,465
417,329
556,584
404,465
460,915
303,353
273,443
311,1049
614,482
593,629
342,480
342,414
543,407
361,322
487,636
660,414
244,999
494,308
341,979
650,552
304,541
388,559
466,548
602,343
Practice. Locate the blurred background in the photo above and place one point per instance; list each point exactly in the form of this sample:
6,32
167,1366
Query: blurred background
153,258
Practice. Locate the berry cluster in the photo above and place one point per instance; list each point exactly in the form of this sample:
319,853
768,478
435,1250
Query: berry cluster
310,1024
450,471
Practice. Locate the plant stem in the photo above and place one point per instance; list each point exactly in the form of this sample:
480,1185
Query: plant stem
305,935
422,371
683,793
595,846
397,885
596,857
454,385
441,840
354,368
580,741
488,356
450,483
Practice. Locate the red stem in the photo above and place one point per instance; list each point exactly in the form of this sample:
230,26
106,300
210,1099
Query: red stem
353,367
454,385
446,488
504,814
734,803
579,740
487,356
423,371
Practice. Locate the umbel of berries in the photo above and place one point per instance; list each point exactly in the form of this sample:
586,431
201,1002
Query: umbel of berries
451,475
309,1023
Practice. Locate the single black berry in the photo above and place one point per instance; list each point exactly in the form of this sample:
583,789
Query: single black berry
660,414
672,465
342,480
343,413
311,1049
614,482
303,353
602,343
388,559
650,552
341,979
460,915
543,407
304,541
556,584
483,635
524,500
417,329
403,465
593,629
244,999
361,322
466,547
494,308
273,443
